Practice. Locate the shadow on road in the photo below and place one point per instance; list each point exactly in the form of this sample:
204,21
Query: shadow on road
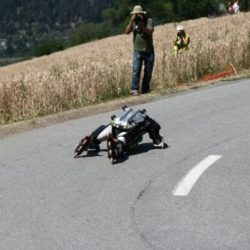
140,149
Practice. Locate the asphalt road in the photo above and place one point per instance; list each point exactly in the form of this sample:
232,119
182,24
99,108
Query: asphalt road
51,201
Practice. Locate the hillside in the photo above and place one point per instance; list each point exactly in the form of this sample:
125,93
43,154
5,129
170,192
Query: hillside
35,28
96,70
118,49
25,24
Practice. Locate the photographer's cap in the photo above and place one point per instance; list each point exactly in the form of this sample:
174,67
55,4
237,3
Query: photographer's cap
138,10
179,28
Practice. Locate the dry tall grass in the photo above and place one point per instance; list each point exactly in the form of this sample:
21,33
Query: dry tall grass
101,69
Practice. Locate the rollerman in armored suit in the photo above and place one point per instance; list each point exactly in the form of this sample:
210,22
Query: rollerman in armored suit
123,133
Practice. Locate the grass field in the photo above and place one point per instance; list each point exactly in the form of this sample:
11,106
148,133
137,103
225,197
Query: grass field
101,70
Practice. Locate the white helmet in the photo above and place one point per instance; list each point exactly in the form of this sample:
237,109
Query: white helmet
179,27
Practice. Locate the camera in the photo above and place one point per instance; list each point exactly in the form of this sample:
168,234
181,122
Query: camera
138,19
138,28
179,33
138,24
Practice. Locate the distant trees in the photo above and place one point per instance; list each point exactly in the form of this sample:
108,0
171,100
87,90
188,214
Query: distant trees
46,26
49,46
29,25
86,32
193,9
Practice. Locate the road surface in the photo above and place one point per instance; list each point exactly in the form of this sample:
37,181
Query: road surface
193,195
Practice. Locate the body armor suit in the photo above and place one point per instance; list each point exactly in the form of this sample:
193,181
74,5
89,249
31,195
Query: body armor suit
124,132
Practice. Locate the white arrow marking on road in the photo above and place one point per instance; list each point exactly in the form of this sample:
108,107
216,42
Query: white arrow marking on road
185,185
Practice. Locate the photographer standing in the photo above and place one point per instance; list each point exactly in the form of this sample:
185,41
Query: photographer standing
142,28
182,40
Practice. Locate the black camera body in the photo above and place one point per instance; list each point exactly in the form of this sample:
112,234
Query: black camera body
138,24
138,18
179,33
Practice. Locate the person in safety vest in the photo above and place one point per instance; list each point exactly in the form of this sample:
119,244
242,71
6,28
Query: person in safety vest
182,40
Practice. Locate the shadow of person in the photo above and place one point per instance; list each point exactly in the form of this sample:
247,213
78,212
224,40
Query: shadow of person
140,149
145,147
93,153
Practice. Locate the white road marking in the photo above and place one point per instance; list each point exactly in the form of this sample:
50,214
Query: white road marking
185,185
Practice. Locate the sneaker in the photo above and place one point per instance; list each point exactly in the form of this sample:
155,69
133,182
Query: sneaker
134,92
160,145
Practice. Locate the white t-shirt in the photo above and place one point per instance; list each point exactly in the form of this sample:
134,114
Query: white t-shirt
236,7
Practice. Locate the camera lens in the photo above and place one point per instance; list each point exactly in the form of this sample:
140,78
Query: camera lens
138,18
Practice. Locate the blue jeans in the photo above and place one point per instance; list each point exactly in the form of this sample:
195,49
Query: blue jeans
138,59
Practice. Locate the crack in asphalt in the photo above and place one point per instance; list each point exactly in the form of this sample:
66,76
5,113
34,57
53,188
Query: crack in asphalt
132,212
